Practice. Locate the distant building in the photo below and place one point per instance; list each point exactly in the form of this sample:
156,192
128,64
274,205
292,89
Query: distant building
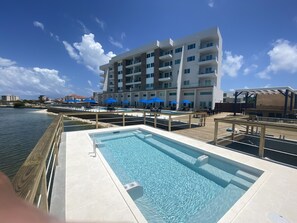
183,72
74,97
10,98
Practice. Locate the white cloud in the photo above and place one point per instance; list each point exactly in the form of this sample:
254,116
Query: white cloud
250,69
283,57
232,64
83,26
90,83
38,25
211,3
88,52
28,82
100,23
6,62
123,36
115,43
55,37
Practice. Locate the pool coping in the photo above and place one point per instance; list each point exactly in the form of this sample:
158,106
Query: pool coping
256,205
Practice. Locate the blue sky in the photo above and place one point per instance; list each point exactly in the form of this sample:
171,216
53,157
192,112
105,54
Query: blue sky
55,47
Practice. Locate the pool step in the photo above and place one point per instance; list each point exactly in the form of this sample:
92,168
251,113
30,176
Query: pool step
116,136
247,176
134,189
171,151
241,183
215,174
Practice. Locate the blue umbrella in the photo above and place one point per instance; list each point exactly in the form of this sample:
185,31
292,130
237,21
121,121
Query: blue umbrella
186,101
110,100
143,100
173,102
156,99
125,102
89,100
71,101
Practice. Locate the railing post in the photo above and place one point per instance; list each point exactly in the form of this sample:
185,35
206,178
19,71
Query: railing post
233,130
123,118
262,142
155,121
169,123
190,120
144,117
96,120
215,139
43,199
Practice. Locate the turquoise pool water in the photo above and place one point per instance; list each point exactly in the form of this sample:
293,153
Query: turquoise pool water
176,188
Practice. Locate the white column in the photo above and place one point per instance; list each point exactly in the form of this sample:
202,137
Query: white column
179,78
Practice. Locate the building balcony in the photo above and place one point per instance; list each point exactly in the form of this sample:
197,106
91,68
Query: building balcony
212,73
204,61
136,63
166,57
163,79
133,74
213,48
165,68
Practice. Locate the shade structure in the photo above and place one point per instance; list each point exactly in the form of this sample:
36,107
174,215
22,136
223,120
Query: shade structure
186,101
89,100
173,102
125,102
110,100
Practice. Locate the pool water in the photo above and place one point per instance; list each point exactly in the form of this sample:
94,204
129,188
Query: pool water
175,188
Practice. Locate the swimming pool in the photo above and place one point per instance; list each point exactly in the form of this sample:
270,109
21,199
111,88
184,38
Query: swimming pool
173,182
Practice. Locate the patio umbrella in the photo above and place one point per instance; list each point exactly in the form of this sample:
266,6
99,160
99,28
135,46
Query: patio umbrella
110,100
125,102
71,101
156,100
89,100
186,101
143,100
173,102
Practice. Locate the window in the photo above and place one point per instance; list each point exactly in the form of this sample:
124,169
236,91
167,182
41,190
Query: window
187,71
206,93
208,70
144,95
148,66
152,64
191,58
152,54
177,61
188,93
120,80
178,50
209,57
136,95
172,93
191,46
120,72
110,76
148,55
187,82
152,94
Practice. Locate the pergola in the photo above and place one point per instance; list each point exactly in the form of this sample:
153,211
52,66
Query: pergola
288,92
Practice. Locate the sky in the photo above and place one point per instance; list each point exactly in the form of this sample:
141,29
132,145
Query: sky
55,47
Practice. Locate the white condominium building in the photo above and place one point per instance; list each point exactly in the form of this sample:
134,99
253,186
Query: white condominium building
183,72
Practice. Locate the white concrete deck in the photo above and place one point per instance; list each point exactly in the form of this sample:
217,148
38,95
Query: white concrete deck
93,193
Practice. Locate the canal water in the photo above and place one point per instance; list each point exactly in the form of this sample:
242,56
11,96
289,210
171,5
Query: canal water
20,130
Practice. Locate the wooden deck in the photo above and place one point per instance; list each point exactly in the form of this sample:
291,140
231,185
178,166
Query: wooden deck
205,133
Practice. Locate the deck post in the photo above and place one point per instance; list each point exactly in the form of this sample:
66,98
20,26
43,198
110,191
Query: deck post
252,127
96,120
155,121
190,120
144,117
123,118
262,142
247,129
215,139
233,130
169,123
43,202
